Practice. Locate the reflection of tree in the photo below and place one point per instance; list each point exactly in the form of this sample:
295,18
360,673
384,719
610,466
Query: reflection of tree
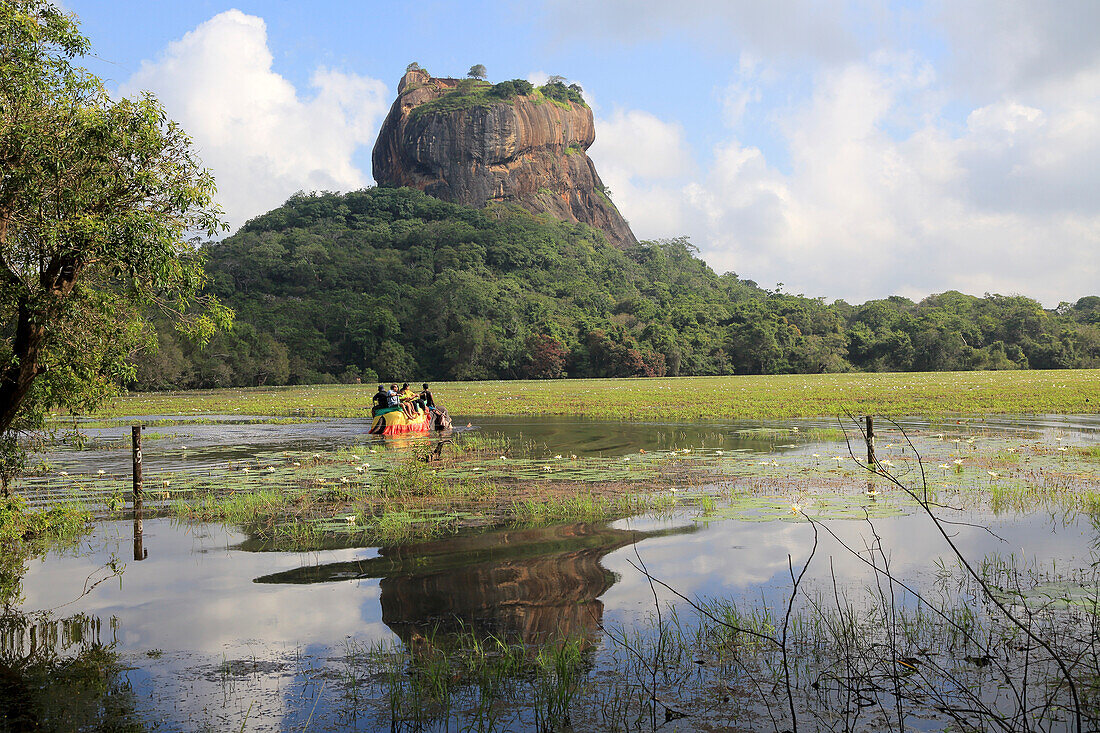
59,675
530,584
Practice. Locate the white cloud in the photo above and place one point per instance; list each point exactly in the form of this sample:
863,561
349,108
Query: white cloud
793,29
640,158
262,140
1019,46
642,145
871,207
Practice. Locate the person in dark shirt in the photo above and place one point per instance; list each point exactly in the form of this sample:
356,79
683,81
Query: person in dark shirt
426,399
381,400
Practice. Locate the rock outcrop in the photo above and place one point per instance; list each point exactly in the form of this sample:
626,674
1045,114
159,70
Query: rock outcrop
526,150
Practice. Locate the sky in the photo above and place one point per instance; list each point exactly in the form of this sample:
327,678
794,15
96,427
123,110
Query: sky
834,148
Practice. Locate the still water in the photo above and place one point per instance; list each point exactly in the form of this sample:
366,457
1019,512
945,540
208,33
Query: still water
217,634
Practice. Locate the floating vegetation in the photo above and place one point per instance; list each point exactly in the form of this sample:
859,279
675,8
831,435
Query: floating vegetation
696,398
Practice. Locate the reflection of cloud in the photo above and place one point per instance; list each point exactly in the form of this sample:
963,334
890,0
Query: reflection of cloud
190,594
194,599
262,140
747,561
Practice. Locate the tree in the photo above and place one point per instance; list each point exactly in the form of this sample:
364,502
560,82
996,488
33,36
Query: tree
477,71
100,202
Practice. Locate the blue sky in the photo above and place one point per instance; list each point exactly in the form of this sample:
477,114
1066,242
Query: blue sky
847,149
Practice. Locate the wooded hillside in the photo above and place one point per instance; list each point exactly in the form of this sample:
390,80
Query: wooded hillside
393,284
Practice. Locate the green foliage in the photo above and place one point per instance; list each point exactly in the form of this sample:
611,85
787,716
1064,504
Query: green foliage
24,533
556,90
510,88
477,71
97,204
468,94
395,283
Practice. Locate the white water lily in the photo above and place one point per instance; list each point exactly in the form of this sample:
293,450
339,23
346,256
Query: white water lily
62,473
718,452
957,461
359,469
345,480
297,464
355,458
100,472
796,508
271,469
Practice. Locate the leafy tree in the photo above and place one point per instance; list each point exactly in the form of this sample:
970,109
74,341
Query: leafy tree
556,89
341,281
546,358
98,200
477,71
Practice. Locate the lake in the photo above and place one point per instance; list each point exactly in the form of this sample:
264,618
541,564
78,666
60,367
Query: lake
214,630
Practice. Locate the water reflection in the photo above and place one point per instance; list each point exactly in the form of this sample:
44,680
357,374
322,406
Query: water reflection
527,584
62,674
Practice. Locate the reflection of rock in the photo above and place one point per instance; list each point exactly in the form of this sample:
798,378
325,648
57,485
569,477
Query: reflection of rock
531,583
530,598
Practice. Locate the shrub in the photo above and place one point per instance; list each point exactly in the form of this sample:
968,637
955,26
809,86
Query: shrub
559,92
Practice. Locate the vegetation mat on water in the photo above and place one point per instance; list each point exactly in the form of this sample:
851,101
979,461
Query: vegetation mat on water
683,398
379,492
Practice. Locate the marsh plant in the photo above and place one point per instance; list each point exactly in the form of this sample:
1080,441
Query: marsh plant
469,680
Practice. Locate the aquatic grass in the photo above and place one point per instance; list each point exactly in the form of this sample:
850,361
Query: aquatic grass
469,680
540,510
235,508
696,398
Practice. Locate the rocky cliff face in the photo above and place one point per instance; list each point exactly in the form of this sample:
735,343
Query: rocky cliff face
527,150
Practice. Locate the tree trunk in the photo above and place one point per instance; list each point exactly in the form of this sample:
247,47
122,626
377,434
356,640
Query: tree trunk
17,379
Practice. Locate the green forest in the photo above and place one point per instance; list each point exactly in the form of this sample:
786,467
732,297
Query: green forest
392,284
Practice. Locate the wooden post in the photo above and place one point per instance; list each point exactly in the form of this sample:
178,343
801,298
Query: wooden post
869,436
139,529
